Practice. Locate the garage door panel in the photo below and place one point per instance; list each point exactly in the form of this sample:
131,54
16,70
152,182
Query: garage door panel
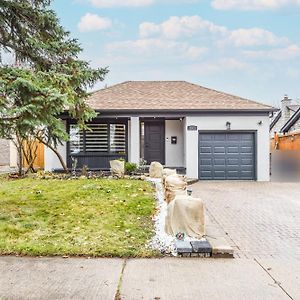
207,168
246,161
233,173
226,156
247,136
206,174
232,150
219,137
248,150
219,150
221,161
219,174
206,150
206,137
219,168
232,137
246,167
206,161
233,161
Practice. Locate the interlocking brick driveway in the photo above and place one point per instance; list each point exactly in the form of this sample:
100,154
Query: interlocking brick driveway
262,220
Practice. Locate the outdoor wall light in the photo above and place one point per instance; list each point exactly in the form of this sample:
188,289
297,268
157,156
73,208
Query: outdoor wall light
228,125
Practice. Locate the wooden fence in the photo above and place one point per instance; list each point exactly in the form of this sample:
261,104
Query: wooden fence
286,142
39,162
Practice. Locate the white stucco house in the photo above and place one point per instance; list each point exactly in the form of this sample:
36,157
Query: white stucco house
210,135
8,155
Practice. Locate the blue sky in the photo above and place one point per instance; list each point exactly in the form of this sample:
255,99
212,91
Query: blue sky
250,48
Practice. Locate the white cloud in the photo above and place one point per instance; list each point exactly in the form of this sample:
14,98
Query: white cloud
254,37
220,65
290,52
176,27
92,22
194,26
155,46
116,3
135,3
252,4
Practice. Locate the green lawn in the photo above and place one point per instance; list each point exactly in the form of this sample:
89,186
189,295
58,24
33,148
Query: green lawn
76,217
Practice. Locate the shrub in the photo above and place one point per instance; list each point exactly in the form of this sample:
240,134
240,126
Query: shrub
130,167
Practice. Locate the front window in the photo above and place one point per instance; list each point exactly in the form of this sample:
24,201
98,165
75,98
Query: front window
99,138
96,138
76,140
117,138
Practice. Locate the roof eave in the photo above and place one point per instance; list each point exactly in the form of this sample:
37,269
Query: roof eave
287,126
266,110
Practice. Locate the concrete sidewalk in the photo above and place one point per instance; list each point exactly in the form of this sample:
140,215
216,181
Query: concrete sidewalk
153,279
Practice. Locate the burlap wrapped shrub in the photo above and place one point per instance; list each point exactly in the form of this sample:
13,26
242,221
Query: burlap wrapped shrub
156,170
186,214
174,184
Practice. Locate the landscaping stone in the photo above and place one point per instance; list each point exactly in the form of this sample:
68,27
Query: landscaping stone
183,247
220,247
117,168
201,247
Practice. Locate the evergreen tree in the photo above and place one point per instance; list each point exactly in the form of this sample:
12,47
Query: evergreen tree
52,78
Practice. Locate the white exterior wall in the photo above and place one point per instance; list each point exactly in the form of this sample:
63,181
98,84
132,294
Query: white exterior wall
51,160
214,123
174,152
13,155
134,140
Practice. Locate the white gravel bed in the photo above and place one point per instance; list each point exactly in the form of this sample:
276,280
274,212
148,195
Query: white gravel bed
161,241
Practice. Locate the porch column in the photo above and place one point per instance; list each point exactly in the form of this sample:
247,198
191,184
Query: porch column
134,149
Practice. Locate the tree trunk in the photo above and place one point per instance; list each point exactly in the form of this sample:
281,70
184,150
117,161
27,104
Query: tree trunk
57,154
18,144
30,154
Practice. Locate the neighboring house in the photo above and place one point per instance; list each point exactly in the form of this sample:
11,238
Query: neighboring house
8,154
285,120
210,134
285,127
4,152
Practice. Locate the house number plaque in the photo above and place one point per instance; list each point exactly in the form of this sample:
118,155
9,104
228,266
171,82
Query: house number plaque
192,128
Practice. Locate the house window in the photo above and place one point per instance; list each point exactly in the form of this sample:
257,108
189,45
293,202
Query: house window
76,140
96,138
117,141
109,138
142,140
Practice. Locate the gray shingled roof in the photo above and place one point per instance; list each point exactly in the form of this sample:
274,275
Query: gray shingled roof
168,95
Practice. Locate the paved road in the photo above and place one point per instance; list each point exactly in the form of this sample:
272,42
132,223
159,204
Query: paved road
261,221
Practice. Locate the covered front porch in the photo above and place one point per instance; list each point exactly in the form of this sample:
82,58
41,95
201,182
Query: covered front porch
134,139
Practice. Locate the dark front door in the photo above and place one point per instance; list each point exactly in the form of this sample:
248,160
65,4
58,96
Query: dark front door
155,141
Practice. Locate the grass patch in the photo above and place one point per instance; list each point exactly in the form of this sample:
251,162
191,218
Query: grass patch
102,217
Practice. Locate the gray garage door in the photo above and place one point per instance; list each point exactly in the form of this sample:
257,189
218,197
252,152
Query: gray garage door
226,156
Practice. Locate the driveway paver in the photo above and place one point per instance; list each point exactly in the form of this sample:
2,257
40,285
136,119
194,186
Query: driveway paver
261,220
